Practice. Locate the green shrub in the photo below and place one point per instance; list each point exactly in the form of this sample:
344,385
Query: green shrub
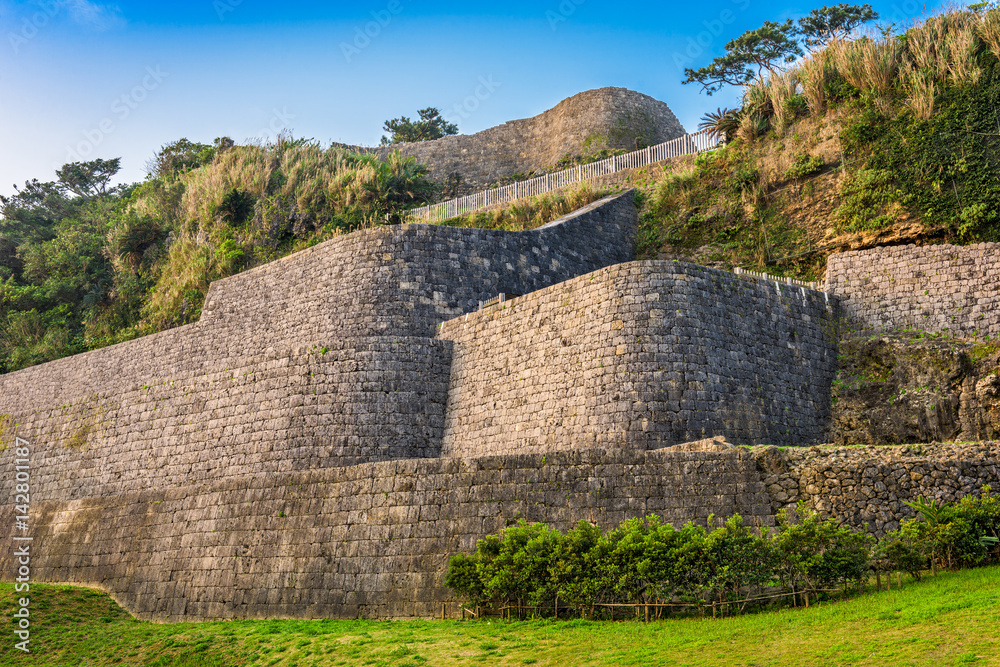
818,554
805,165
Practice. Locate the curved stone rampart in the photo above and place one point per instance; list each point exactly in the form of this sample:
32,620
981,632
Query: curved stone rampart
642,355
322,358
594,119
405,280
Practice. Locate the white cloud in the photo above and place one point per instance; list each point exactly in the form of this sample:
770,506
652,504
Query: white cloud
94,15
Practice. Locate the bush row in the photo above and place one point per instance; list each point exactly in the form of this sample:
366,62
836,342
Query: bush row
646,561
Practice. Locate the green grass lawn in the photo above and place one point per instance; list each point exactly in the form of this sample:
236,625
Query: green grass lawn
951,619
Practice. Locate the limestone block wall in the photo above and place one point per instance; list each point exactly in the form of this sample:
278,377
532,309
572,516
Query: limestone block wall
867,485
351,400
370,539
616,117
642,355
322,358
941,288
405,280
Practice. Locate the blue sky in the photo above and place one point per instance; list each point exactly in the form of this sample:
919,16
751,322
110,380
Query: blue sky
81,80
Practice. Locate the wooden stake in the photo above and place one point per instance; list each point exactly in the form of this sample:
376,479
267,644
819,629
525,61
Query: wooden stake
647,613
899,580
442,611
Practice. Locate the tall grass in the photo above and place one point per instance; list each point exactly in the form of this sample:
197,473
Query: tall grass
756,110
781,88
942,50
816,74
922,92
254,203
946,46
988,30
531,212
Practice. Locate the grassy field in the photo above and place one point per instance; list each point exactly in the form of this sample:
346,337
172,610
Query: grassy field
951,619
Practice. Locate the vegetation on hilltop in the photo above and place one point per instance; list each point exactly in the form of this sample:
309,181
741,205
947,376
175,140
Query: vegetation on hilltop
887,138
431,125
882,139
83,265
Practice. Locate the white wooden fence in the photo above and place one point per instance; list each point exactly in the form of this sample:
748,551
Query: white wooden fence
814,285
686,145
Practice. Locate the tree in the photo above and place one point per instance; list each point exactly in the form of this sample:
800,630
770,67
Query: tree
721,124
31,215
88,179
183,155
748,56
430,126
837,22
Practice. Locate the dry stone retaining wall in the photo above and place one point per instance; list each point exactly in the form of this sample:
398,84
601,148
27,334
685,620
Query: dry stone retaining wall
867,485
322,358
941,288
349,401
370,539
309,449
405,280
642,355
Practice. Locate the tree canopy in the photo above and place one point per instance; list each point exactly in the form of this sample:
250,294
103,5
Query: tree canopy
183,155
825,24
774,45
430,126
748,56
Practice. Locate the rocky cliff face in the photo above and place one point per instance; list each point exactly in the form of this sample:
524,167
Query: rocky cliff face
909,387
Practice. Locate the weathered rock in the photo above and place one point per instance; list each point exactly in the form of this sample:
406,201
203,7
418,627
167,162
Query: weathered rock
910,387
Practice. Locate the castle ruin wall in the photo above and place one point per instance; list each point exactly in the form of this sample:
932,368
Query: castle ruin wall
614,118
941,288
369,540
642,355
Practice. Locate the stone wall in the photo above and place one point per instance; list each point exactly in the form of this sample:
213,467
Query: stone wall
321,358
867,485
352,400
642,355
405,280
608,117
942,288
370,540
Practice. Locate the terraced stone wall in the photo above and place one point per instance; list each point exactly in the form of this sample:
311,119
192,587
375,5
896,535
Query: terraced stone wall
642,355
868,485
371,539
940,288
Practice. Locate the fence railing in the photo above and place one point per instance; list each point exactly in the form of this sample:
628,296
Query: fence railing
814,285
686,145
